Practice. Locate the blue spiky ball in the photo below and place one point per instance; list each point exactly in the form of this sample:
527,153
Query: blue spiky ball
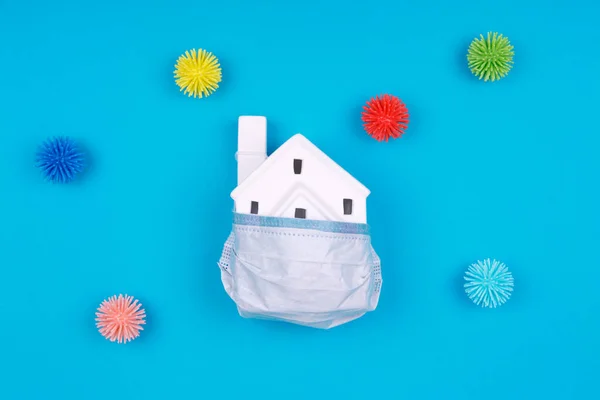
60,159
489,283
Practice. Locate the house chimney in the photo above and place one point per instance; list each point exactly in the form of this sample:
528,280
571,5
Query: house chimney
252,145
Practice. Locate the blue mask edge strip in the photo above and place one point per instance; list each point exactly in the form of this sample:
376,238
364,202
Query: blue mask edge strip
281,222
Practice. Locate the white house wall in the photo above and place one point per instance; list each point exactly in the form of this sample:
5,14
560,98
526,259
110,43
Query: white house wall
318,189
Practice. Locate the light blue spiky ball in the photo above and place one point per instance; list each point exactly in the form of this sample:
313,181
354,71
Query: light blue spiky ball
489,283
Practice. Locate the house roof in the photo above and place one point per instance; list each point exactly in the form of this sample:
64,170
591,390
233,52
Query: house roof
295,141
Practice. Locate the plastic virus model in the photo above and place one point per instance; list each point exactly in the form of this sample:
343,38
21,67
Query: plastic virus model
197,73
385,117
120,318
490,58
60,159
488,283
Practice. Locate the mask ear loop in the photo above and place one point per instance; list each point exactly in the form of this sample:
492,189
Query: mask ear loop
227,254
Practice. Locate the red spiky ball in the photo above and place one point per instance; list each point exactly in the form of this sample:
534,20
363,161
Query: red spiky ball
385,117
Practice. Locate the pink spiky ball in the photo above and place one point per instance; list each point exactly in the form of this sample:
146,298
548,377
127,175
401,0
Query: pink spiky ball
120,318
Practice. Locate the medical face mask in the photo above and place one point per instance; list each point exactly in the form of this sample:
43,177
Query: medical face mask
314,273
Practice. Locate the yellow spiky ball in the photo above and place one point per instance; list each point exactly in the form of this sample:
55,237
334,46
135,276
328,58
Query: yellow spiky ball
197,73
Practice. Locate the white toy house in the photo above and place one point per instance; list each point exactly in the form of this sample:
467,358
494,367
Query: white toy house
297,181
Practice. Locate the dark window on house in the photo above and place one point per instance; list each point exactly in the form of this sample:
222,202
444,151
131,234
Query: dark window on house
347,206
254,207
300,213
297,166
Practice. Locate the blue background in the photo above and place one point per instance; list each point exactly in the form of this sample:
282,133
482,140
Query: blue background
506,170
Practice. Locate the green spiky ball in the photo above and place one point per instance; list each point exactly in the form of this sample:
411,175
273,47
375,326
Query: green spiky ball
490,58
